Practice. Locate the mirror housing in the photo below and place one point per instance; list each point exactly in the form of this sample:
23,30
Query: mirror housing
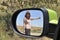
53,22
49,25
45,26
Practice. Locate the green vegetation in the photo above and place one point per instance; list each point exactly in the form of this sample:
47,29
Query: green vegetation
8,7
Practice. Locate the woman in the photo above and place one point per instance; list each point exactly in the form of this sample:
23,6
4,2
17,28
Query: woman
27,23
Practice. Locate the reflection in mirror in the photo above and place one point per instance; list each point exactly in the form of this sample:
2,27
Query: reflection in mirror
30,22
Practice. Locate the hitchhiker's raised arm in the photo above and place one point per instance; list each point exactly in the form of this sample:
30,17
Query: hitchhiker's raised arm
35,18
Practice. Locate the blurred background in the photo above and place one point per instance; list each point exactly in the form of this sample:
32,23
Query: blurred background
8,7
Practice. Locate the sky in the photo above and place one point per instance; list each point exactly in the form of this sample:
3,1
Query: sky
34,14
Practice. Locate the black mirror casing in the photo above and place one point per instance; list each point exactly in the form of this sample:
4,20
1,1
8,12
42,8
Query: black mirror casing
57,32
45,26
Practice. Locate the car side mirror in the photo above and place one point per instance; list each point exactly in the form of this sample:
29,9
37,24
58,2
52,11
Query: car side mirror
38,18
33,22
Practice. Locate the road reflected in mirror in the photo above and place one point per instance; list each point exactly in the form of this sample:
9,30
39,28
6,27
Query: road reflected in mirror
30,22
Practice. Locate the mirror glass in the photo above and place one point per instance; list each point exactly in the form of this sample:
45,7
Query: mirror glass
30,22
